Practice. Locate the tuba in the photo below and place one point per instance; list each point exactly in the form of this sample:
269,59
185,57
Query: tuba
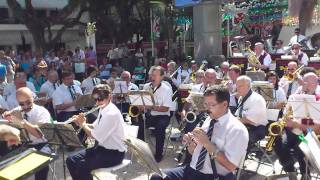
276,129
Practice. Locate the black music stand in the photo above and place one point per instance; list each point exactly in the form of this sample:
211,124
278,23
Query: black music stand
120,91
63,135
24,135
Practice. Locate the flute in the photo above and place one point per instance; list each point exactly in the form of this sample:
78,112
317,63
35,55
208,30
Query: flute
72,119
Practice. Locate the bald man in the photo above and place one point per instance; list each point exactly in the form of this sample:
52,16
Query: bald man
291,86
263,56
31,116
255,119
295,127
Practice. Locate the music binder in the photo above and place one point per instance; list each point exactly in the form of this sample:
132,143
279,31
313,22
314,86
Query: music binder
141,98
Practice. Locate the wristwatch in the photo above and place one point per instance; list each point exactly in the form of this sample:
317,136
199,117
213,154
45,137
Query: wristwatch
214,154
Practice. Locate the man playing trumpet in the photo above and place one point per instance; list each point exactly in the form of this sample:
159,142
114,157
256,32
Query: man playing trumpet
213,145
107,130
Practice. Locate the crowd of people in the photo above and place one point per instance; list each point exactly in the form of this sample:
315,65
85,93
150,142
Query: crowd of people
217,139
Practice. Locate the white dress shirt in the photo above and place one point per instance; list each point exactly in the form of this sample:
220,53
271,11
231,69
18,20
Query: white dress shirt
183,77
37,115
230,137
62,95
198,88
294,39
162,96
279,51
11,89
89,83
267,59
3,103
132,87
285,83
304,60
254,109
48,87
108,128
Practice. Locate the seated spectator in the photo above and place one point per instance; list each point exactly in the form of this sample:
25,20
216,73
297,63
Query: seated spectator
37,79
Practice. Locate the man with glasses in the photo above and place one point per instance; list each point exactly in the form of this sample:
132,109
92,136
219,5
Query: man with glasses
107,130
263,57
299,55
217,147
297,38
30,117
288,84
64,97
287,145
251,110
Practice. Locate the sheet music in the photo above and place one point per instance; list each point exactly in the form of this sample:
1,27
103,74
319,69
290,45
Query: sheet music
139,98
273,114
312,150
305,106
120,87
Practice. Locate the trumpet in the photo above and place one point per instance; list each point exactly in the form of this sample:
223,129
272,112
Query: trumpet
72,119
292,76
276,129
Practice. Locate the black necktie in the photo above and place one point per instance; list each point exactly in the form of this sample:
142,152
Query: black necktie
289,89
54,86
25,116
94,81
203,153
297,38
71,93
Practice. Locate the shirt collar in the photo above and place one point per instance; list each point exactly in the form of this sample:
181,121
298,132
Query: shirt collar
224,118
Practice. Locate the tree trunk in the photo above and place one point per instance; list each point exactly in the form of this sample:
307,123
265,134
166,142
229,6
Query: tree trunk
38,38
305,15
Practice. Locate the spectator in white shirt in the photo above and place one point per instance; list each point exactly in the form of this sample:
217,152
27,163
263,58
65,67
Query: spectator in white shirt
91,81
278,48
64,97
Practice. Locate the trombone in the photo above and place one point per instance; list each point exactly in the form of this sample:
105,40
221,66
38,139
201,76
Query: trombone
292,76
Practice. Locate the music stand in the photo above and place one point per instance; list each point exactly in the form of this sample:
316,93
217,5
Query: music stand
120,91
144,155
24,135
142,98
310,146
264,88
305,106
61,134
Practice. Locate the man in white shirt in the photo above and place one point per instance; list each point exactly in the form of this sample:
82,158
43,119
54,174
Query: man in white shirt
297,38
30,117
224,69
51,84
107,130
217,147
183,75
299,55
91,81
64,97
234,73
160,112
289,141
263,56
255,119
290,86
278,48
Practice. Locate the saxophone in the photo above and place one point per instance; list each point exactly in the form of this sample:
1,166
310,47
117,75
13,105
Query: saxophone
276,129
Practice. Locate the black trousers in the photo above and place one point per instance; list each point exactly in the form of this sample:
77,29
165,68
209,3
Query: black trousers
256,133
83,162
160,123
283,146
187,173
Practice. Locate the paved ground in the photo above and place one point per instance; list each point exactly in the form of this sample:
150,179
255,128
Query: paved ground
136,171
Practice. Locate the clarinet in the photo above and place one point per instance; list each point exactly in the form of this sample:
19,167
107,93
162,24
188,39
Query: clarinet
185,146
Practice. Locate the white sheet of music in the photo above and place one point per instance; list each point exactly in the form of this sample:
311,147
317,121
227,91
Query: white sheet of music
120,87
311,149
273,114
305,106
136,99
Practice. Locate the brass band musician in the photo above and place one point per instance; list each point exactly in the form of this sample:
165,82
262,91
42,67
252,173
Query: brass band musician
289,139
263,56
254,118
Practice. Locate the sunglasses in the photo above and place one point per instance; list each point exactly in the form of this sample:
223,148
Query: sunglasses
98,99
25,103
